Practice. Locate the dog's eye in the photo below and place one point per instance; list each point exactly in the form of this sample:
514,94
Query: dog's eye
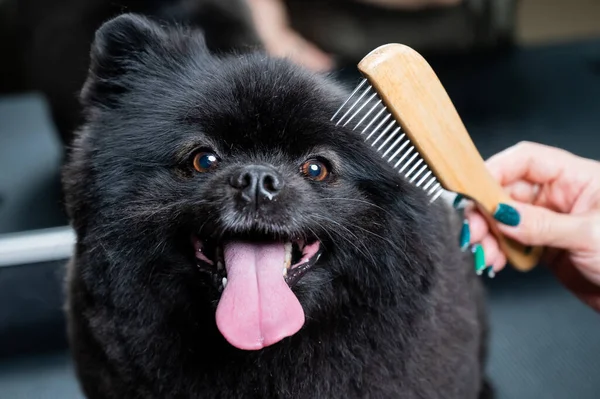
315,170
205,161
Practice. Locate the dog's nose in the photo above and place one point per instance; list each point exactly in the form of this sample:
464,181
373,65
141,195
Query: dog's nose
257,183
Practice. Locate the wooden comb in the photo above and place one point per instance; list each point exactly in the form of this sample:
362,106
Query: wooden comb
404,112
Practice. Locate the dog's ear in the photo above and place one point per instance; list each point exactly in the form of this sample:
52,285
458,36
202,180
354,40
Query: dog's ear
119,49
127,46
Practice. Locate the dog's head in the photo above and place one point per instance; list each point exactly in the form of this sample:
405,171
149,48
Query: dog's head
225,180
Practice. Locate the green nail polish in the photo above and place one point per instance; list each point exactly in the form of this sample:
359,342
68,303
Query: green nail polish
479,258
465,235
507,215
490,272
457,200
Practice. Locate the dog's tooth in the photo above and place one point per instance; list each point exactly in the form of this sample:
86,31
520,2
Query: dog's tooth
224,282
285,269
288,255
219,265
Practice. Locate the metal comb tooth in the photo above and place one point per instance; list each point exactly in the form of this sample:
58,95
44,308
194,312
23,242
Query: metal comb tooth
386,137
389,137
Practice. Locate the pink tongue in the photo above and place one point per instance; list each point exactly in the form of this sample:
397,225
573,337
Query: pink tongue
257,308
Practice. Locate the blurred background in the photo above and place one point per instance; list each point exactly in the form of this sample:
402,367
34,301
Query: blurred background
515,69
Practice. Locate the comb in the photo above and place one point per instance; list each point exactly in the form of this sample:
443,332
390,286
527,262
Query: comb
406,115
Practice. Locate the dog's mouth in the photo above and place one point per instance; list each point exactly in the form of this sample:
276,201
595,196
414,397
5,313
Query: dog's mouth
257,307
299,257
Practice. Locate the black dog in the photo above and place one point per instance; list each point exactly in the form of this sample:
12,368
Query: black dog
234,243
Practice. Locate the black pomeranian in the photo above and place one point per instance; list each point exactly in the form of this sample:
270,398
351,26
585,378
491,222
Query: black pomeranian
232,242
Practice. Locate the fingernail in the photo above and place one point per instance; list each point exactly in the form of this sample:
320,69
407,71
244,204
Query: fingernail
507,215
479,259
465,235
490,272
457,200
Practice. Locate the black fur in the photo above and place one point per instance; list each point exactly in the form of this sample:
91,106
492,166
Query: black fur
393,310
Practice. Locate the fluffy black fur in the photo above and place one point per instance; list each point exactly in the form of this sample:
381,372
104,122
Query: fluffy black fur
393,309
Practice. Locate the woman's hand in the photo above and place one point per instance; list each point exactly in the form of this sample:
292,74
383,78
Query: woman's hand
280,40
556,205
412,4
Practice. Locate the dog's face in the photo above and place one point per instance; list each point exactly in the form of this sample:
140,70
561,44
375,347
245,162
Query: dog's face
228,177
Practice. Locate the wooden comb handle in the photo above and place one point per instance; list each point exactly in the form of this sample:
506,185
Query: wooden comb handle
487,198
414,95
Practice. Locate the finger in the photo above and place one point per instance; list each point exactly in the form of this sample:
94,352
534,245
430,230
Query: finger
491,249
499,263
523,191
540,226
539,195
313,58
304,53
477,224
536,163
411,4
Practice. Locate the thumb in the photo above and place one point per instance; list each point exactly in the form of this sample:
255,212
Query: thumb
535,225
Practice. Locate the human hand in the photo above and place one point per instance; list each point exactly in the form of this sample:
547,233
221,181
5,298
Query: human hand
556,205
280,40
412,4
